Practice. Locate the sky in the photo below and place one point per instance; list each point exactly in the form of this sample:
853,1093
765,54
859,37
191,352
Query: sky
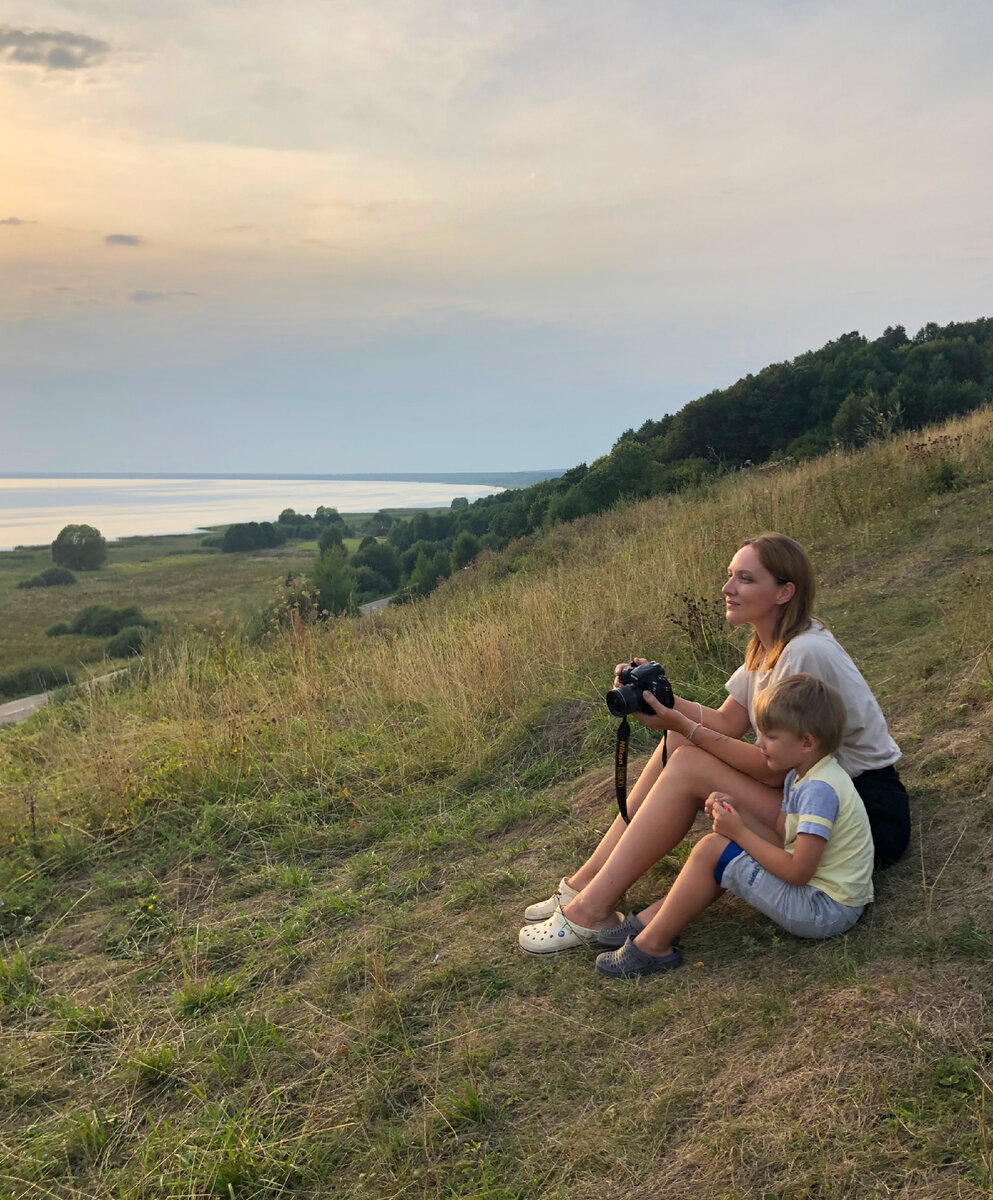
429,235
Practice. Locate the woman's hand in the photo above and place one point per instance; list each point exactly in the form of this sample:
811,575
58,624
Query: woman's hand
635,662
664,718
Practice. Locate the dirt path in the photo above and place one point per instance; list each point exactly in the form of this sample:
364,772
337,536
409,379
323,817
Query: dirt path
20,710
16,711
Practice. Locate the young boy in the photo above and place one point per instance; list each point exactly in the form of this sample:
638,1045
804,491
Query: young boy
812,874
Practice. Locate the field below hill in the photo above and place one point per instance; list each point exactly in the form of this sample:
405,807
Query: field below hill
260,902
171,578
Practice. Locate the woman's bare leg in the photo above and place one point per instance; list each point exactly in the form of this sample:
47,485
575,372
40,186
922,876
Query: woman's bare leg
663,820
694,889
646,781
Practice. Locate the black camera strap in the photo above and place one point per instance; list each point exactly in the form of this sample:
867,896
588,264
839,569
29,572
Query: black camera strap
621,765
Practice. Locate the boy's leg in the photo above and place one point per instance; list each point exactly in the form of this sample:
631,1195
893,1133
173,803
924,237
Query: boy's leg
803,910
662,821
755,825
694,890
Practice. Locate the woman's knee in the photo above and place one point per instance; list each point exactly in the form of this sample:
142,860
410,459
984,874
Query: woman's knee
686,771
688,758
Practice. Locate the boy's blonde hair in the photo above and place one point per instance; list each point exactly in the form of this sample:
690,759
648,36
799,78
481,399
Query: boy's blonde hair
802,704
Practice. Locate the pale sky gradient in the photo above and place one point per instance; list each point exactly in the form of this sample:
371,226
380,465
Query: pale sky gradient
400,235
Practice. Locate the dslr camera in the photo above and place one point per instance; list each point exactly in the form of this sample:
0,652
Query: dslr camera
632,681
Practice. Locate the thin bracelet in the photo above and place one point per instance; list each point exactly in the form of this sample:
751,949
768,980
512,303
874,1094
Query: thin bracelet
698,725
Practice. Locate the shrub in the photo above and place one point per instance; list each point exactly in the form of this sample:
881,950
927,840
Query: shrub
100,620
27,681
80,547
59,629
251,535
945,475
369,584
128,642
50,577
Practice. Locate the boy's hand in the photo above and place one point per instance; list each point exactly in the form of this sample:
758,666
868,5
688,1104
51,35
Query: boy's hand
727,821
715,802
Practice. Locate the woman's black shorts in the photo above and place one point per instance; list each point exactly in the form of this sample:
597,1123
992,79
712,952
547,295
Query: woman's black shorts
888,808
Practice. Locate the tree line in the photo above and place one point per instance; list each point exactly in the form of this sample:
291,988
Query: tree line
843,394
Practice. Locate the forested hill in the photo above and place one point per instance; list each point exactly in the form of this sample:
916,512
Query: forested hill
846,393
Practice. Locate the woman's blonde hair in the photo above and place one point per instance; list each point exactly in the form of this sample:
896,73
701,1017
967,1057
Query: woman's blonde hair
787,561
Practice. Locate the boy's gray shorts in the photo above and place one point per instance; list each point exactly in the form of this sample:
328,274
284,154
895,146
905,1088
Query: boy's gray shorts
804,911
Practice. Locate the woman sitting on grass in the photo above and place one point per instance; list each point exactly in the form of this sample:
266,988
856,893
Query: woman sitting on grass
770,586
811,872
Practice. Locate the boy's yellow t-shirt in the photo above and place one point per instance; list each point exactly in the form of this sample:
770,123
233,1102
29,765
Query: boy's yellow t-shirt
825,803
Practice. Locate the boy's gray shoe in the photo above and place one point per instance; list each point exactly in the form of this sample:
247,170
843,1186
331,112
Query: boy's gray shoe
630,961
629,927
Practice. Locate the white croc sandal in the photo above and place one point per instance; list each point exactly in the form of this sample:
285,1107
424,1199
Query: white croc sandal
555,934
563,895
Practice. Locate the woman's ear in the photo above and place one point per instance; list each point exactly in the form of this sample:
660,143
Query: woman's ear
786,593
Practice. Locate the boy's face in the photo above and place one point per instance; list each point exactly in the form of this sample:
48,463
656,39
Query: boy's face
783,750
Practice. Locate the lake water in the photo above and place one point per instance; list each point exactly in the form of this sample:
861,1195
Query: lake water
32,511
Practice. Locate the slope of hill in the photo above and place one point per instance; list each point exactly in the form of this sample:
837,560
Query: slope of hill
260,904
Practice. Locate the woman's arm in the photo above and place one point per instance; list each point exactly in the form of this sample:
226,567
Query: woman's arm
730,719
720,734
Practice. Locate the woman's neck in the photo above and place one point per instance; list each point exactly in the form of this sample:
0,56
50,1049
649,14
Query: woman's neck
765,631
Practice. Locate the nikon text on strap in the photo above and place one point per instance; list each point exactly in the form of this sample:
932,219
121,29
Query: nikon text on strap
621,765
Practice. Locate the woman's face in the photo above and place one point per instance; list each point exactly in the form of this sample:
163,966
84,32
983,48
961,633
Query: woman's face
752,595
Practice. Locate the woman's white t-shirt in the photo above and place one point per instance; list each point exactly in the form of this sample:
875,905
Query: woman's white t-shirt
867,744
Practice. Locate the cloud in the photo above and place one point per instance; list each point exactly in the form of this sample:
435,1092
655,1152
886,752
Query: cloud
143,297
14,221
122,239
56,51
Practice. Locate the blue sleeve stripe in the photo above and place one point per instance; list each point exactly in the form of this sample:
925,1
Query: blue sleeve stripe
815,799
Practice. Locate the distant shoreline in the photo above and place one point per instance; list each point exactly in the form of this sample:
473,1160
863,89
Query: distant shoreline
505,479
34,508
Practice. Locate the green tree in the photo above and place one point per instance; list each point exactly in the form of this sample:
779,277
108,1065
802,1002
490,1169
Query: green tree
464,549
334,582
381,558
330,539
80,548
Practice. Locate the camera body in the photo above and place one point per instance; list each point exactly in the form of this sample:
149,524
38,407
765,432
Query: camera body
632,681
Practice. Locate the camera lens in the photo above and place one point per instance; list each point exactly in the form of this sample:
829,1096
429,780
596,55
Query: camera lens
622,700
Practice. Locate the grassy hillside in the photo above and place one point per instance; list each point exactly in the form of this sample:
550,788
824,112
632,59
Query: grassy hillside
261,903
